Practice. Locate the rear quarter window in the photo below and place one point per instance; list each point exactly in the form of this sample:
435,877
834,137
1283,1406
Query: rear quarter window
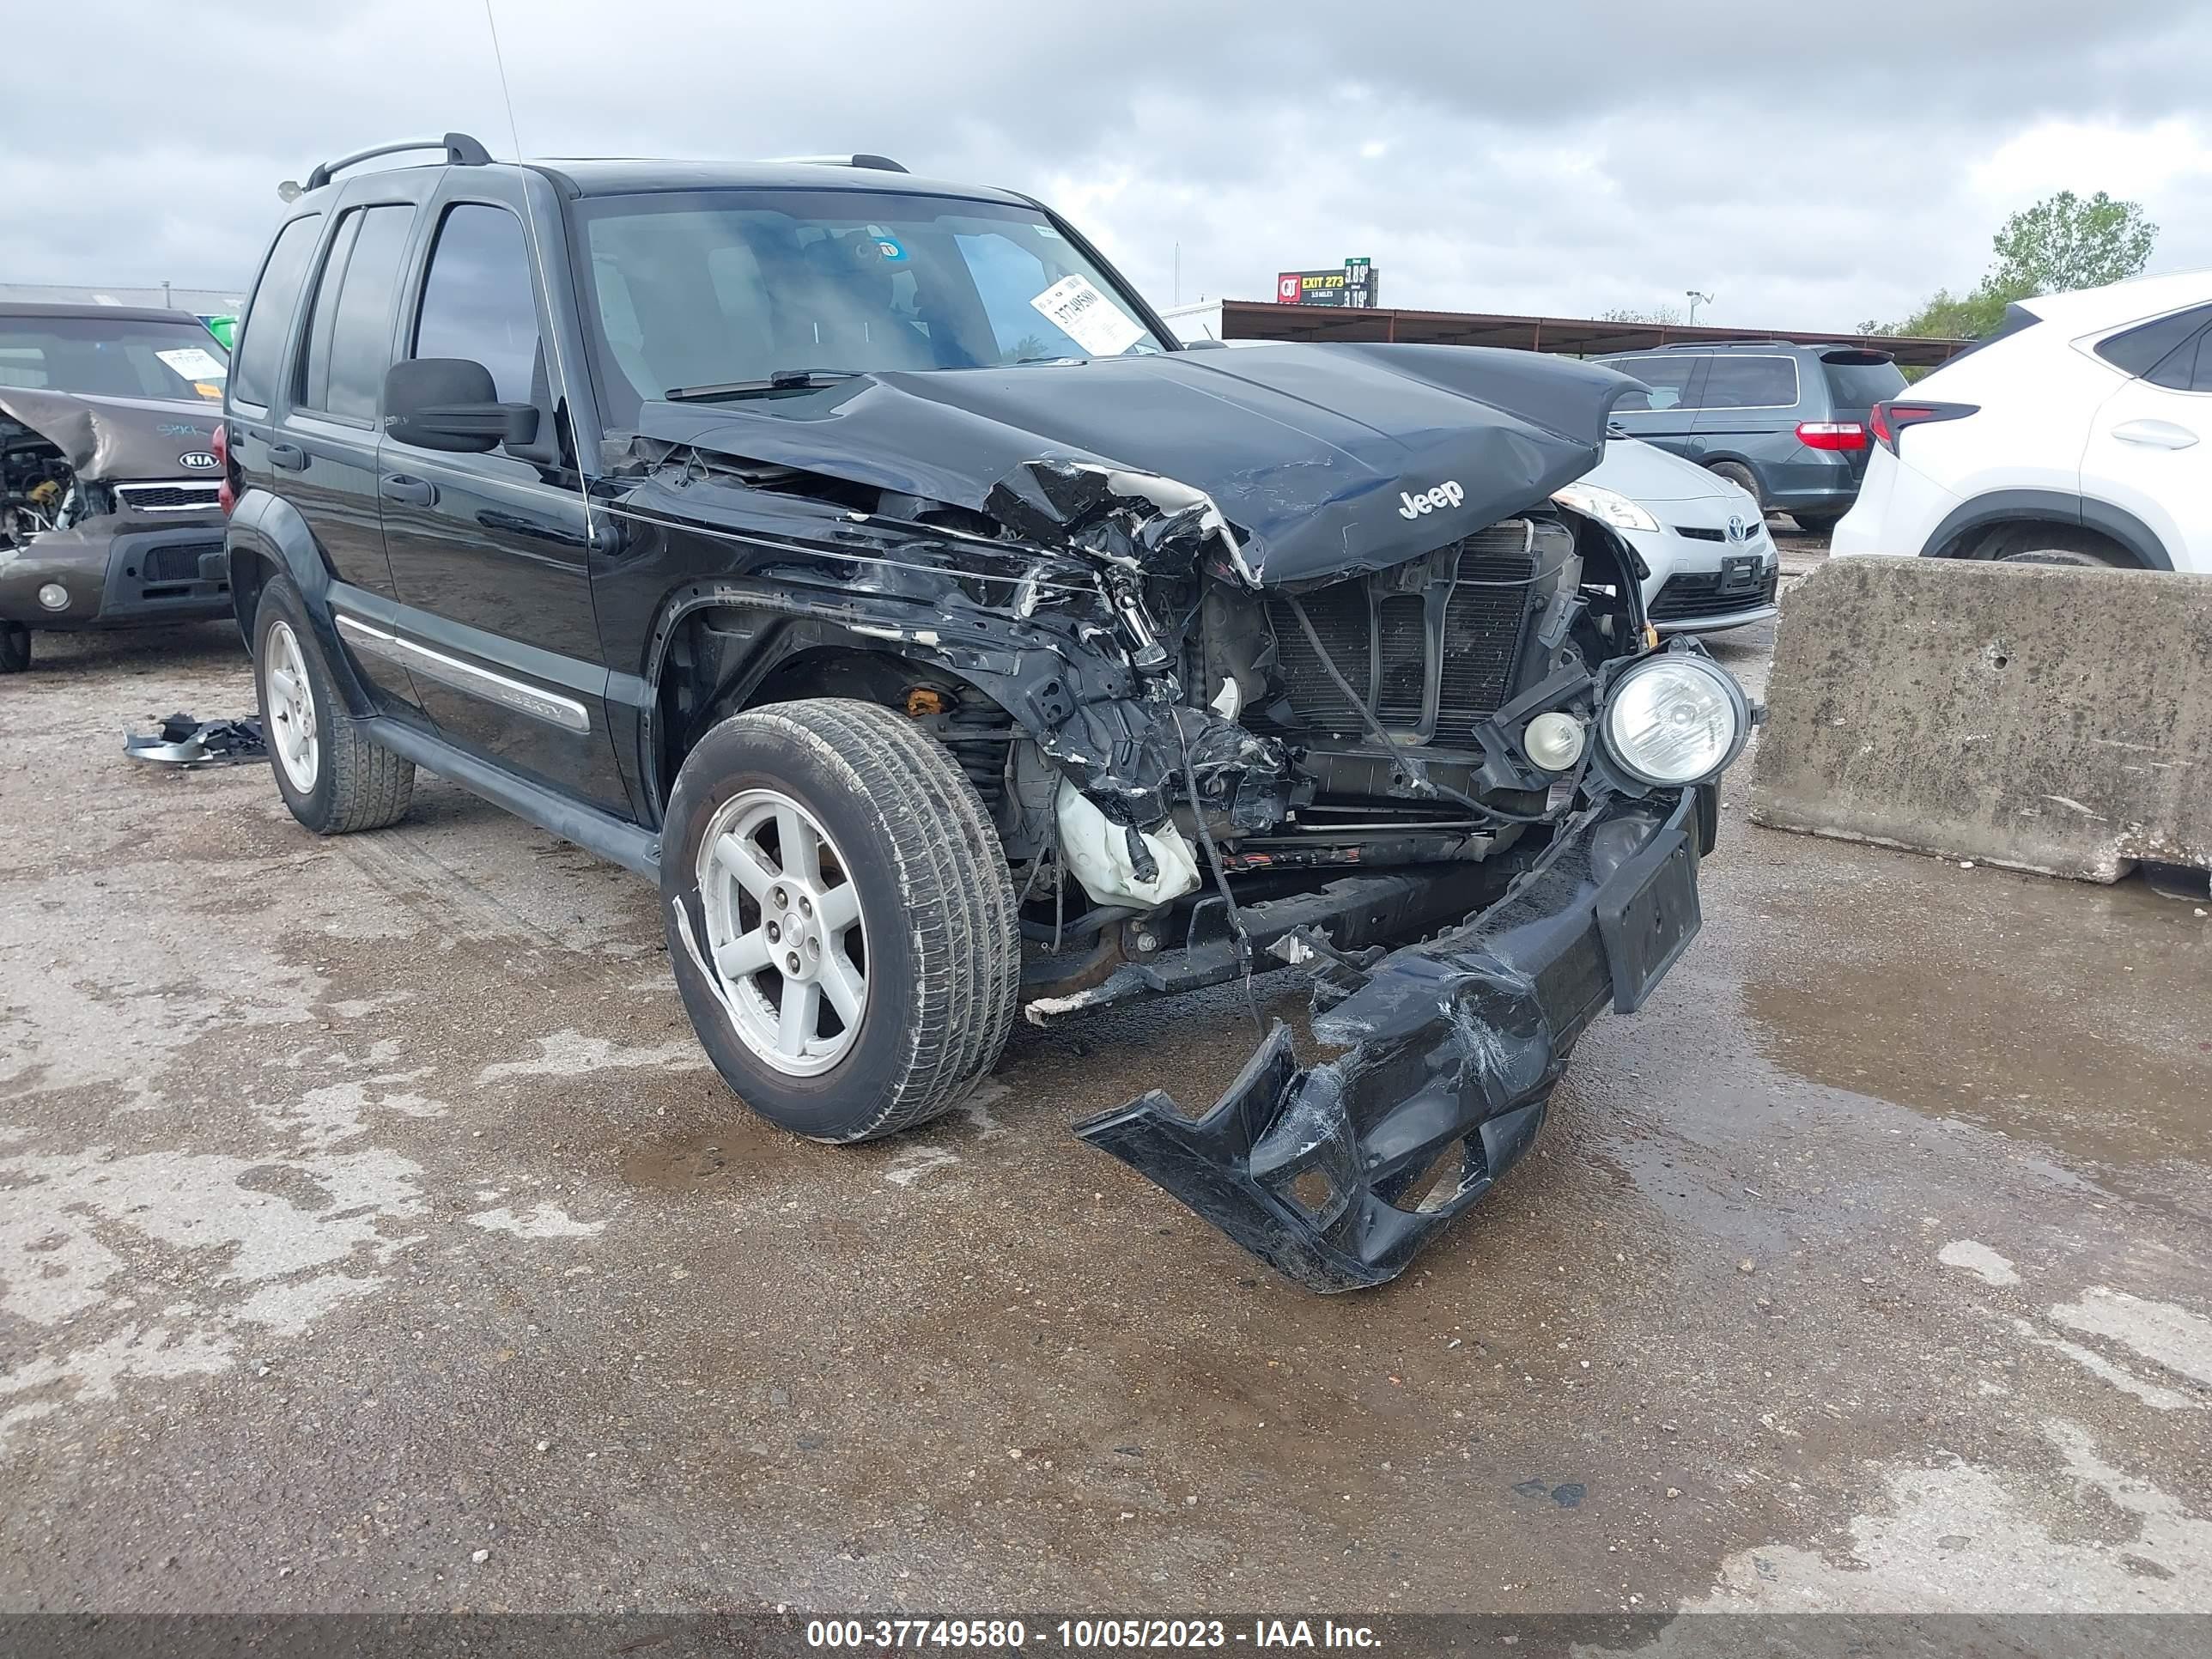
267,323
1751,383
2140,349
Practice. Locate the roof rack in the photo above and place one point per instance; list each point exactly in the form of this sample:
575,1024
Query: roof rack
461,151
1708,345
874,163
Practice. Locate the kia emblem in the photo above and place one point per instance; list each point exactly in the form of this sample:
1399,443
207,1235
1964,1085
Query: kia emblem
197,460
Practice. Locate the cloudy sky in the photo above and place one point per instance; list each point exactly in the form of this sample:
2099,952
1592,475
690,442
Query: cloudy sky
1810,166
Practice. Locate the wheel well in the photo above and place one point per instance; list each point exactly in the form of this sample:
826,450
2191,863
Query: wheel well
250,571
2021,535
722,662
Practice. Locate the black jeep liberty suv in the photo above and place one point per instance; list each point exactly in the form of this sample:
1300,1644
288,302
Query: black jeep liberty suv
861,558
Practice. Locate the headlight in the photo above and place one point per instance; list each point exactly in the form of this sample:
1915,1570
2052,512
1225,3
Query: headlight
1675,718
1607,506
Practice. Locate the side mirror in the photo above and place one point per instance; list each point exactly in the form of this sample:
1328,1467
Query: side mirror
450,403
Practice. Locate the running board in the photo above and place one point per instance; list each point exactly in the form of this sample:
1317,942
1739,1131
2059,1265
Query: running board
611,838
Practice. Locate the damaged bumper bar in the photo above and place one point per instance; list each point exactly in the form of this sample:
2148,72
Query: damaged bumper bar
1335,1174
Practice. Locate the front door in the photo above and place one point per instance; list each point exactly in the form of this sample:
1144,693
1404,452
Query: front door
1666,414
489,552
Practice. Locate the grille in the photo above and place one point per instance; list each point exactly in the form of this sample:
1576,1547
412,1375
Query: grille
1381,639
1340,617
1701,532
179,562
171,498
1401,626
1482,638
1688,595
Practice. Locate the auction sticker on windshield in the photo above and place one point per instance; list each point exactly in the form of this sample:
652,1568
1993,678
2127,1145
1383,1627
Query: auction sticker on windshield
1075,307
194,363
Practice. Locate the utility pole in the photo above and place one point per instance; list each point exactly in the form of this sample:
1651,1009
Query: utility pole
1696,300
1178,275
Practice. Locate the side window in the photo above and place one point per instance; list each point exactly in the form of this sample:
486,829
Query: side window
2140,349
479,300
268,317
2200,370
1751,383
350,331
1669,378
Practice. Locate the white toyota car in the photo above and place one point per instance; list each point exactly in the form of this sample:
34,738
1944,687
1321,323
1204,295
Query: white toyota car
1703,540
2080,433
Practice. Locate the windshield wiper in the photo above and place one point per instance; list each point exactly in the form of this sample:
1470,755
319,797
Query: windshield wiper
782,380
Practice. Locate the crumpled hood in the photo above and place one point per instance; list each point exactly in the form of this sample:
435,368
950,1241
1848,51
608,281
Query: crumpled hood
103,437
1326,460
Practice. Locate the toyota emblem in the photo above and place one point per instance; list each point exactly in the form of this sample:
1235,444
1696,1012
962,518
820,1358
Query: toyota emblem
1739,528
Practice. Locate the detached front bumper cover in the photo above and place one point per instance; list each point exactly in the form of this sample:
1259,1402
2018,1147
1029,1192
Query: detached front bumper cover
1336,1175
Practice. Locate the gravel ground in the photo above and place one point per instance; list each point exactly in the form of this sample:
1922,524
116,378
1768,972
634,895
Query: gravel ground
372,1235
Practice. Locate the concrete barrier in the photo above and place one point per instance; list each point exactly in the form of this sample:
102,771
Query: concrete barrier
2048,718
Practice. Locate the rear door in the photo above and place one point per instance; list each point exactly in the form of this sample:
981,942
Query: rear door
323,455
2149,451
1749,412
1666,414
489,552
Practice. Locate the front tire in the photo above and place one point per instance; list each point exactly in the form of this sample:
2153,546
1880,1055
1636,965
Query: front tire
841,922
15,648
334,779
1817,524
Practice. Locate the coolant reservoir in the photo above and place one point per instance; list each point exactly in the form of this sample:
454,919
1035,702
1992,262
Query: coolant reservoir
1098,853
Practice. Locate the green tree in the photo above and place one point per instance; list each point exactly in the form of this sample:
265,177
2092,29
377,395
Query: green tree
1664,316
2061,242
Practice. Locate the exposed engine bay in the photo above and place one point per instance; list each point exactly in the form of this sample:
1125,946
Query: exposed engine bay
39,488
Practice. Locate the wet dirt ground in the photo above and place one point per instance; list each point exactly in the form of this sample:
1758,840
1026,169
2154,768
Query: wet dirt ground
373,1235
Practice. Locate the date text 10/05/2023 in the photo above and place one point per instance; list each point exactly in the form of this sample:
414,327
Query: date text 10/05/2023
1086,1635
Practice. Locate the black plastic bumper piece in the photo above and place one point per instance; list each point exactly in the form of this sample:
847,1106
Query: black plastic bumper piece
1336,1175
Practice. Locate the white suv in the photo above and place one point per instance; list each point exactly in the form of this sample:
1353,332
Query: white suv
2081,433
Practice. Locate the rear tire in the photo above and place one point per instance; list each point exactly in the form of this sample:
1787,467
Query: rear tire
1817,524
1743,477
898,904
2039,544
334,779
15,648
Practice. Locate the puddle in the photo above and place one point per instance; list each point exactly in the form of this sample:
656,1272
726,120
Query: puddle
706,1160
2061,1012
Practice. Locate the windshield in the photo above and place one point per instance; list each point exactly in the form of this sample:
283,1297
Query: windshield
113,357
716,288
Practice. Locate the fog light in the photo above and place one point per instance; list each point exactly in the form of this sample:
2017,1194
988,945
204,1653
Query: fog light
1554,741
54,597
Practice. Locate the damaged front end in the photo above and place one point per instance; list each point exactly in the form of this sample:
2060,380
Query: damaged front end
1335,1174
110,511
1235,702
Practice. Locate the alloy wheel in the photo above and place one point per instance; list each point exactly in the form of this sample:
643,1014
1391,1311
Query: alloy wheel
291,703
784,932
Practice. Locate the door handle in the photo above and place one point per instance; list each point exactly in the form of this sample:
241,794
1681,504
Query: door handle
290,457
398,487
2154,434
